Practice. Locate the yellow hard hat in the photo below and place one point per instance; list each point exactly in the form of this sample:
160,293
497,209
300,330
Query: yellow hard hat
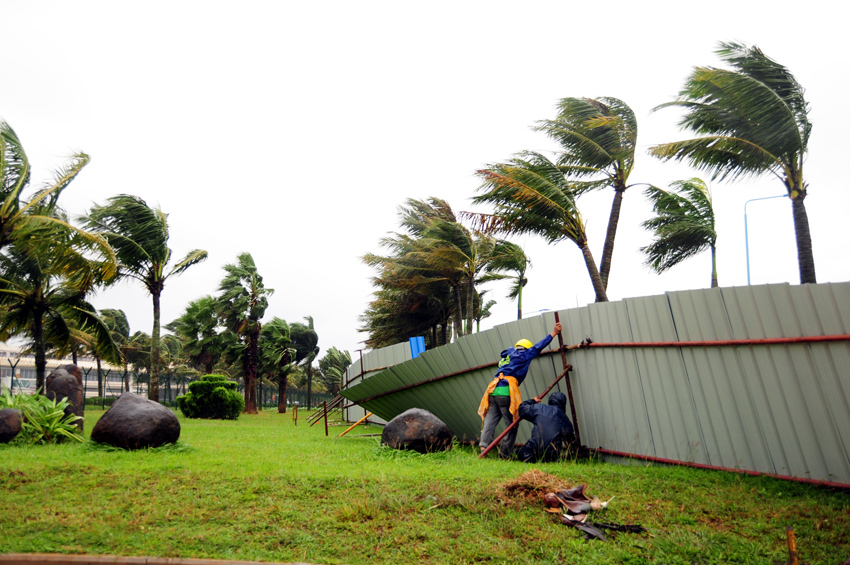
524,343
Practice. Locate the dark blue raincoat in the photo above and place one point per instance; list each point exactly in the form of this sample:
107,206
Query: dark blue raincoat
552,431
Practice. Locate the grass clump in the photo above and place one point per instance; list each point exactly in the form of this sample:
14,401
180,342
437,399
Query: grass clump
263,489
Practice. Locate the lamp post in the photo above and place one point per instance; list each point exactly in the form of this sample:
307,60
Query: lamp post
746,233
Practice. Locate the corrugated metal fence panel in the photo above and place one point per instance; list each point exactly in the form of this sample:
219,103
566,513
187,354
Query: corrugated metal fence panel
799,391
607,389
781,409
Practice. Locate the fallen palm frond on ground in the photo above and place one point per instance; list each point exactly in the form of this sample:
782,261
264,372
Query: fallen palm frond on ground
260,488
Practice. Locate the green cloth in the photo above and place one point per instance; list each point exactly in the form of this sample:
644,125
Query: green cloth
501,391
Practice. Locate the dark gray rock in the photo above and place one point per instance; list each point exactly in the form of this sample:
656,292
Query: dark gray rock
61,384
74,371
418,430
134,422
10,424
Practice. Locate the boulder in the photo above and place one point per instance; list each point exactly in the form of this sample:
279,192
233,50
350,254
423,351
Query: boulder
134,422
418,430
10,424
62,384
74,371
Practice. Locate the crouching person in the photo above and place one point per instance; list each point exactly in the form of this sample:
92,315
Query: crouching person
552,432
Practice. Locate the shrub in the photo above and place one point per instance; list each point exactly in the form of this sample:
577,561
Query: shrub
213,397
98,401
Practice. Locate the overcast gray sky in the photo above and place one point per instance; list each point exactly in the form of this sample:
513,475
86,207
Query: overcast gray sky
294,130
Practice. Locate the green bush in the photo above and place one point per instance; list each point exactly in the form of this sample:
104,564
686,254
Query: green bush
98,401
213,397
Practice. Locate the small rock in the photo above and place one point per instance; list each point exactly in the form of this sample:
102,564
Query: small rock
10,424
418,430
134,422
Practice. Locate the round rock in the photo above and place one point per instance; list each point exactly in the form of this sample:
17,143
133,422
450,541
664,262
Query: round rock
134,422
60,384
10,424
418,430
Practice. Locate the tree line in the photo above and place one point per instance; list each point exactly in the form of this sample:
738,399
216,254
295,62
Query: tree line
751,119
49,266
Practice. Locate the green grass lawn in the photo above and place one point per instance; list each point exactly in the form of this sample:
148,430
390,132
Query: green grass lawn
261,488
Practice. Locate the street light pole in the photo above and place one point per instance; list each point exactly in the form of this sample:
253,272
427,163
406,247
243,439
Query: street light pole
746,233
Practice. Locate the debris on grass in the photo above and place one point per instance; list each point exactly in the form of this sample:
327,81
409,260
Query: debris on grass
571,504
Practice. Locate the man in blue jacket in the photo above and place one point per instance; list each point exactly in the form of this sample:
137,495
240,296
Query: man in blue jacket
552,432
502,398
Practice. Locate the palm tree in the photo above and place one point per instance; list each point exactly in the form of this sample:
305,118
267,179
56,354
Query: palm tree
242,303
204,344
599,138
437,251
755,120
305,341
277,357
34,219
333,366
510,258
42,290
682,227
531,195
139,235
119,330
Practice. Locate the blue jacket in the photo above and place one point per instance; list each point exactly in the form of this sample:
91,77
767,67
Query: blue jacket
518,361
552,429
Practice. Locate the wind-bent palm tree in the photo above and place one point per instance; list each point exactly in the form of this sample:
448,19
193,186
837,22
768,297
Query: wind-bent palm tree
242,303
599,137
277,357
683,225
531,195
755,120
305,341
119,330
510,258
333,366
198,326
139,235
34,219
42,290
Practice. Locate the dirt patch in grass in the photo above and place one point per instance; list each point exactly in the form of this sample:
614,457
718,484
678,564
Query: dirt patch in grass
529,488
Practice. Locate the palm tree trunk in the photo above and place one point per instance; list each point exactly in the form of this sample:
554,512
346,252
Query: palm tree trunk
470,305
595,277
309,385
458,311
281,394
608,249
713,267
38,346
153,384
99,378
805,257
519,304
250,367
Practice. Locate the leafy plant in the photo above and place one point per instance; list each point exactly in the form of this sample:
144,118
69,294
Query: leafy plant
44,420
213,397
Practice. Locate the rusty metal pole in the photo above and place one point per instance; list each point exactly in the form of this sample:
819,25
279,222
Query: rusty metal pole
325,408
792,546
569,385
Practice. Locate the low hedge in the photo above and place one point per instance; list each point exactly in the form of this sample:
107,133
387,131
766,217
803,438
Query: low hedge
98,401
213,397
